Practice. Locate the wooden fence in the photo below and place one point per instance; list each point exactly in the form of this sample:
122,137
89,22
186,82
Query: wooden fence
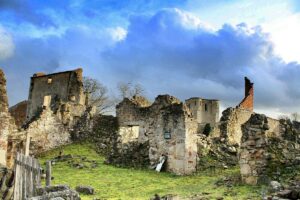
27,176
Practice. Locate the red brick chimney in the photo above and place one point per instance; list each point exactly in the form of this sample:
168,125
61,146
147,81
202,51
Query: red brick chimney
247,102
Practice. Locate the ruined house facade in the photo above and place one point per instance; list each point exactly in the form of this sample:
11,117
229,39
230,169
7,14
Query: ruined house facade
167,125
173,128
51,90
205,111
56,102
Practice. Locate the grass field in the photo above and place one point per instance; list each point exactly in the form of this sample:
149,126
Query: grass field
119,183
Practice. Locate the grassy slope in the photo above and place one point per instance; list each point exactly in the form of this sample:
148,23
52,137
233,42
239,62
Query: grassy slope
119,183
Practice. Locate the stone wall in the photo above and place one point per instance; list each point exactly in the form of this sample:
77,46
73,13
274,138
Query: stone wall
49,90
47,132
231,122
253,152
3,94
268,148
18,112
204,110
55,106
7,124
167,125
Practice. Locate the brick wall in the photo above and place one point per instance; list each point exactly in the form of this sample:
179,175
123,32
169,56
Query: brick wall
247,102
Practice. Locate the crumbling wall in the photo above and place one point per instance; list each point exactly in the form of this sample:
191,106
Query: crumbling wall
7,124
54,89
233,118
55,106
181,148
253,151
168,127
3,94
204,110
46,132
268,148
18,112
231,122
131,115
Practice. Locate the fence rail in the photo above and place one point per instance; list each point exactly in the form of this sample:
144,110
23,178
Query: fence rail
27,176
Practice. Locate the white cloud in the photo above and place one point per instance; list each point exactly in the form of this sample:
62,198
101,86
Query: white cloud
196,61
285,33
117,33
276,17
6,44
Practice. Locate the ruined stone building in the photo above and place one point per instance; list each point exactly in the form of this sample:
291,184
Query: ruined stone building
51,90
205,111
56,102
174,128
167,125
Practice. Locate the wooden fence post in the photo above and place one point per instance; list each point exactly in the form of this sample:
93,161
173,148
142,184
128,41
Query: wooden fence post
27,176
48,173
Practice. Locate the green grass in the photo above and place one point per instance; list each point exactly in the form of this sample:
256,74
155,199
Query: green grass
120,183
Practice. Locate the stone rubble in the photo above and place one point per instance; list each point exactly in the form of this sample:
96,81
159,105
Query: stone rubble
83,189
57,191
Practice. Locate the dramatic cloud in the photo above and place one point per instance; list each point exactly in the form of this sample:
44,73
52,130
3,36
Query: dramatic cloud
19,11
79,46
6,44
172,52
169,51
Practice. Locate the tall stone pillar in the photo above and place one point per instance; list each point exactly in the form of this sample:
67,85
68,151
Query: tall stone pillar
4,119
253,152
3,95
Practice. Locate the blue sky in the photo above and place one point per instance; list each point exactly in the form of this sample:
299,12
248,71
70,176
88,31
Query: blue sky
183,47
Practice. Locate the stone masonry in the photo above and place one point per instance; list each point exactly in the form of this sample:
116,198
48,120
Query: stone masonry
233,118
205,111
268,147
231,122
169,128
55,105
7,125
51,90
253,151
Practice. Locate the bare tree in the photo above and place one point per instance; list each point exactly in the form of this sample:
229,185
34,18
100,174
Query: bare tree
137,90
128,90
124,89
96,94
295,116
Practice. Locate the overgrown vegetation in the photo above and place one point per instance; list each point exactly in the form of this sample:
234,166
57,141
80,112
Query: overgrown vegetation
123,183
